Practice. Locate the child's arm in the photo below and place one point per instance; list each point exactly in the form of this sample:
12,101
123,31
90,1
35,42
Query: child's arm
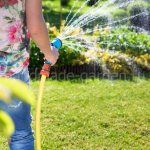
38,30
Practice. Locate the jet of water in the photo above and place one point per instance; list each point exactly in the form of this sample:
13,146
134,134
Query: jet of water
93,14
77,34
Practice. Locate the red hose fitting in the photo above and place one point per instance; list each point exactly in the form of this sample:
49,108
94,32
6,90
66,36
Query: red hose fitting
46,70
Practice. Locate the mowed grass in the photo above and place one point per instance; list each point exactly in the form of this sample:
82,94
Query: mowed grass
95,115
53,13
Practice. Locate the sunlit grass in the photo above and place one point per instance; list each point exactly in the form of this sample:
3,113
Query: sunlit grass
53,13
95,114
55,6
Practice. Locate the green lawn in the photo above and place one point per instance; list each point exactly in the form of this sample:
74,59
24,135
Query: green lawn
95,115
53,12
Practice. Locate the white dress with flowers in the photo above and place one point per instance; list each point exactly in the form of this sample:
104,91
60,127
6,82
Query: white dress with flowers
14,39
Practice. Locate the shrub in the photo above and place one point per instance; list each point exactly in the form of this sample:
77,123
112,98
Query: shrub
70,57
116,62
91,2
119,14
65,2
126,41
141,20
143,61
67,57
36,57
123,40
101,21
112,62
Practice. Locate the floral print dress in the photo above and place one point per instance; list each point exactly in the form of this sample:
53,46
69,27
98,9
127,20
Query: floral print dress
14,40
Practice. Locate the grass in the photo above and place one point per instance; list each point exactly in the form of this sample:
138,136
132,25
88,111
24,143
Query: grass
53,13
95,115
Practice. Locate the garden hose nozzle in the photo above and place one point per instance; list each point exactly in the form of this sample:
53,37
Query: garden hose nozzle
47,65
57,43
45,73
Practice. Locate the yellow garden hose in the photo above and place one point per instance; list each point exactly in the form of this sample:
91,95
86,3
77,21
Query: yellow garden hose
38,113
45,73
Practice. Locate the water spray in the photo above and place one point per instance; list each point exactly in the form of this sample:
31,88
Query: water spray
44,74
73,39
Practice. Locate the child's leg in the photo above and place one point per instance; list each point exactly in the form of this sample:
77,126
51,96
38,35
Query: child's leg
22,138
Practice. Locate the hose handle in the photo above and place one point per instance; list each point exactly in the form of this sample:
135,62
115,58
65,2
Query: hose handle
46,69
57,43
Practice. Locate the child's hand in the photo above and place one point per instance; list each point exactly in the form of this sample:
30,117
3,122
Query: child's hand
53,55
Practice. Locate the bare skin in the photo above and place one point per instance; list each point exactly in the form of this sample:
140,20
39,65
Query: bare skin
38,30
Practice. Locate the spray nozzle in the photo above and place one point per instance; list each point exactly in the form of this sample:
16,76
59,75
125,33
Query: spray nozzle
57,43
47,65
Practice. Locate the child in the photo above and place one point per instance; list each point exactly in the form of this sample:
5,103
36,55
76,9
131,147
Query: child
16,16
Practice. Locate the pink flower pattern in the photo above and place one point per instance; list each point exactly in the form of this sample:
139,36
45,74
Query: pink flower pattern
15,32
15,35
12,2
8,2
2,3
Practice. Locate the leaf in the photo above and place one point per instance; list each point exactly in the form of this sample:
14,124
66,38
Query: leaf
6,124
18,89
